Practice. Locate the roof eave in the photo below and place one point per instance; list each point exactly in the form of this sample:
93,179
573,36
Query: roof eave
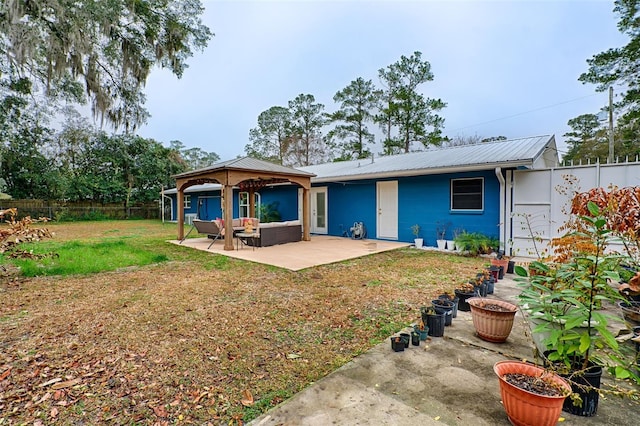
437,170
200,172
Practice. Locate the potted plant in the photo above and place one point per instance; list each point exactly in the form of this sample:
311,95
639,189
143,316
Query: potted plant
415,229
441,233
492,318
475,243
567,297
464,292
501,261
474,287
456,234
433,320
530,394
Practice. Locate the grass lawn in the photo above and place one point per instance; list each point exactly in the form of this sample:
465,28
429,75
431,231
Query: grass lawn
167,334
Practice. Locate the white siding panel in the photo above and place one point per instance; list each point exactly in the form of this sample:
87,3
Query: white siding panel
537,194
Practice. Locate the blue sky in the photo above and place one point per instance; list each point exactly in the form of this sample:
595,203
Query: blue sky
504,68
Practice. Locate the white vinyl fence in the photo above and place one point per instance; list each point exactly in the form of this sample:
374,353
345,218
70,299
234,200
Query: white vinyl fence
541,196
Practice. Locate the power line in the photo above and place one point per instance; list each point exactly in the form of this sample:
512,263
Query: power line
526,112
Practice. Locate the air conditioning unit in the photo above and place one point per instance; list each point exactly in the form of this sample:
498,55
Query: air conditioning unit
188,218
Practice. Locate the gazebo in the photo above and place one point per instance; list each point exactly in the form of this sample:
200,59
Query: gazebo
248,174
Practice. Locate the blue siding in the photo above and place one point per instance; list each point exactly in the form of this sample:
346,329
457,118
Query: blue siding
350,202
207,204
284,198
425,200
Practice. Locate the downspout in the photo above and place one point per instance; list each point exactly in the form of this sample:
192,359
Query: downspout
503,219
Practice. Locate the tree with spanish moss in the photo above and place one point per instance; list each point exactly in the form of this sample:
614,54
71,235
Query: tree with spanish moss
103,50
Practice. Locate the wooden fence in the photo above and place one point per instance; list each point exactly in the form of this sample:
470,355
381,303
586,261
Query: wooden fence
61,210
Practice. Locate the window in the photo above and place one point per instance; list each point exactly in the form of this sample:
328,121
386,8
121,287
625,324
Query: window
243,204
187,202
467,194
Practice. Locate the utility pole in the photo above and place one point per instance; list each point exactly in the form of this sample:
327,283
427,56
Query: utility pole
610,159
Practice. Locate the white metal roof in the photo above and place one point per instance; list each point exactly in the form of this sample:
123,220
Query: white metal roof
512,153
531,152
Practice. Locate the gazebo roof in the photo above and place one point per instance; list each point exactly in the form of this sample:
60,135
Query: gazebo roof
247,164
249,174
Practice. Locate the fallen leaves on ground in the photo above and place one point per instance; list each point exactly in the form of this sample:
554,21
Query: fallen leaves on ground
247,399
187,342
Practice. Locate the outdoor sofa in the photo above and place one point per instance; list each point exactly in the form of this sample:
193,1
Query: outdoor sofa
270,233
273,233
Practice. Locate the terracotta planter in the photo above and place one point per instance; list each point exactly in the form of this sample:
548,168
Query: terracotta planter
631,312
500,262
528,408
492,325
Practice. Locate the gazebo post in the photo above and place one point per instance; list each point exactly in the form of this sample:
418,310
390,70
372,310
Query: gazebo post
306,214
252,203
180,201
228,216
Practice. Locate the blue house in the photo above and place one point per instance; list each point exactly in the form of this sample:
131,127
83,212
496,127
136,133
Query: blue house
444,190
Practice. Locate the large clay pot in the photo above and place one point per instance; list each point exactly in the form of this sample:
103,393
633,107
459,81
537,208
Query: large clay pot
500,262
492,325
631,312
526,408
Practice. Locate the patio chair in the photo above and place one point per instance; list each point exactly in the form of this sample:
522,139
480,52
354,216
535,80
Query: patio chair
208,227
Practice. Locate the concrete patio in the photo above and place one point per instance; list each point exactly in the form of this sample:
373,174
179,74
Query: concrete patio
446,380
299,255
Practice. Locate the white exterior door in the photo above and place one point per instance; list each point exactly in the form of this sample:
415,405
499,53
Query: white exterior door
319,210
387,204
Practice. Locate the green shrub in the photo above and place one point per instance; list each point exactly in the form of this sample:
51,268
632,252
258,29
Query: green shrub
477,243
269,212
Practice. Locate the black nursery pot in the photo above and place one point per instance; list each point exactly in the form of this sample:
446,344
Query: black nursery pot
589,396
415,338
481,290
397,344
444,307
462,300
435,322
490,286
510,266
406,338
455,301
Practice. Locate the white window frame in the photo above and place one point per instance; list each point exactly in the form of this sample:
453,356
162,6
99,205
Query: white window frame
186,202
243,207
481,179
